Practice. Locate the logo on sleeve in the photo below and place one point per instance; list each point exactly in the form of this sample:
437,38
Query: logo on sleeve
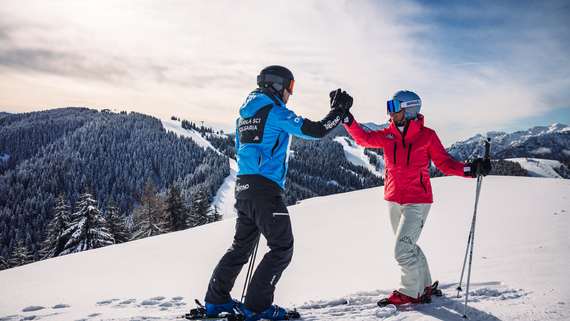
390,136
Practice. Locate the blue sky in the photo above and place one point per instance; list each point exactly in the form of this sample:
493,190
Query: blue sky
470,33
478,65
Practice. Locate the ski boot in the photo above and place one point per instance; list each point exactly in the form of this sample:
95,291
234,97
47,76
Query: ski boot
429,291
212,311
272,313
397,298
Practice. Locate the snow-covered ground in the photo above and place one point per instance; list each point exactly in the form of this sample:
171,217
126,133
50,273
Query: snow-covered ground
537,167
355,155
224,199
343,253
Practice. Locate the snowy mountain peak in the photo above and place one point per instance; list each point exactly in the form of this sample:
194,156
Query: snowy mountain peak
552,142
558,127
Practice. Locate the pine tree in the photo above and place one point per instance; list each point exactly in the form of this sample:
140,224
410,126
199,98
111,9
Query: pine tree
150,218
3,264
56,240
175,210
20,255
116,225
88,227
216,215
200,210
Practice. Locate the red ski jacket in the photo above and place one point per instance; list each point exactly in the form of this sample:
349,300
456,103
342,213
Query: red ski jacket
407,157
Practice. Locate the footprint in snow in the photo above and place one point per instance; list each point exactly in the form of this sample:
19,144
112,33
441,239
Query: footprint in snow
127,302
32,308
496,294
61,306
107,302
149,302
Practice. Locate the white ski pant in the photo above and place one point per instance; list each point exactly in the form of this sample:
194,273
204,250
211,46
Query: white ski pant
407,223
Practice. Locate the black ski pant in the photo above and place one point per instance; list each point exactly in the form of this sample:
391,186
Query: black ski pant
268,216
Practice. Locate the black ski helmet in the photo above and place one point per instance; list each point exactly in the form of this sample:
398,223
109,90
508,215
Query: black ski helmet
277,78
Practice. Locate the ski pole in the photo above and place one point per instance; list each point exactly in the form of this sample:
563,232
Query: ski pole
479,181
473,224
249,274
469,238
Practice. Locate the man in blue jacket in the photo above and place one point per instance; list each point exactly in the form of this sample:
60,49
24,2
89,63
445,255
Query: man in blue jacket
263,136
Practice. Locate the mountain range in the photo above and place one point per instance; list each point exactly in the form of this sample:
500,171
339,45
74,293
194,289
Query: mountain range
69,150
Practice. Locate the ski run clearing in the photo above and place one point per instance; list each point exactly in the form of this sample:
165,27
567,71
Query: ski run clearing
342,263
537,167
224,199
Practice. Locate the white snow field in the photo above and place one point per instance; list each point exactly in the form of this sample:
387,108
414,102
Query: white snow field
343,251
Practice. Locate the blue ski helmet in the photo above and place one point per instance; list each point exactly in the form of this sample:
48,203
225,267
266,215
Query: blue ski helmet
407,100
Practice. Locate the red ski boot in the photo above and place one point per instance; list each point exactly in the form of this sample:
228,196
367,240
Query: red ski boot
429,291
397,298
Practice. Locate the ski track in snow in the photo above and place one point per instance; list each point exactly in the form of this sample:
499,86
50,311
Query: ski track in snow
359,306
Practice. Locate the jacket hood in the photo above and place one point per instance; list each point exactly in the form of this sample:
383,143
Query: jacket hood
254,102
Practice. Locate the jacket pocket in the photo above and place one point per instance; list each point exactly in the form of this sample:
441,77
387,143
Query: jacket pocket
422,183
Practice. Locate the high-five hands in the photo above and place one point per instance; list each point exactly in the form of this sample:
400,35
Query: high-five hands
340,99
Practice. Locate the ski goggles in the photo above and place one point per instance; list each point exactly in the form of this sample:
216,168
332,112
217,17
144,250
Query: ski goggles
394,105
291,86
277,82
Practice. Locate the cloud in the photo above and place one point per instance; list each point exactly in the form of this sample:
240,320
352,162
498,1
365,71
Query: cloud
476,66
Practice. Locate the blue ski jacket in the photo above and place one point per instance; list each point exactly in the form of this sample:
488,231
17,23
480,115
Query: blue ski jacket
263,135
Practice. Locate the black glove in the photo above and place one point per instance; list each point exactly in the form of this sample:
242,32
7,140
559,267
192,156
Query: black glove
348,119
340,99
479,166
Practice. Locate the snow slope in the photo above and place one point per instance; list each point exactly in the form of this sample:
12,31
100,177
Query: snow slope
224,199
355,155
176,127
343,249
537,167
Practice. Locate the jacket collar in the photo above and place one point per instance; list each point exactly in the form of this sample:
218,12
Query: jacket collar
413,127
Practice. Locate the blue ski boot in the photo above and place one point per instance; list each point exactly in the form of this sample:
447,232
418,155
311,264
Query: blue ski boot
214,310
272,313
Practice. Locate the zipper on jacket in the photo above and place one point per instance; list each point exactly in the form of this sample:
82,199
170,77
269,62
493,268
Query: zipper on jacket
409,151
259,160
404,134
275,147
422,182
395,149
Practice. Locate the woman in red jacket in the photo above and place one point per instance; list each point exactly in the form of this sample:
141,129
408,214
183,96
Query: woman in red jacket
409,147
